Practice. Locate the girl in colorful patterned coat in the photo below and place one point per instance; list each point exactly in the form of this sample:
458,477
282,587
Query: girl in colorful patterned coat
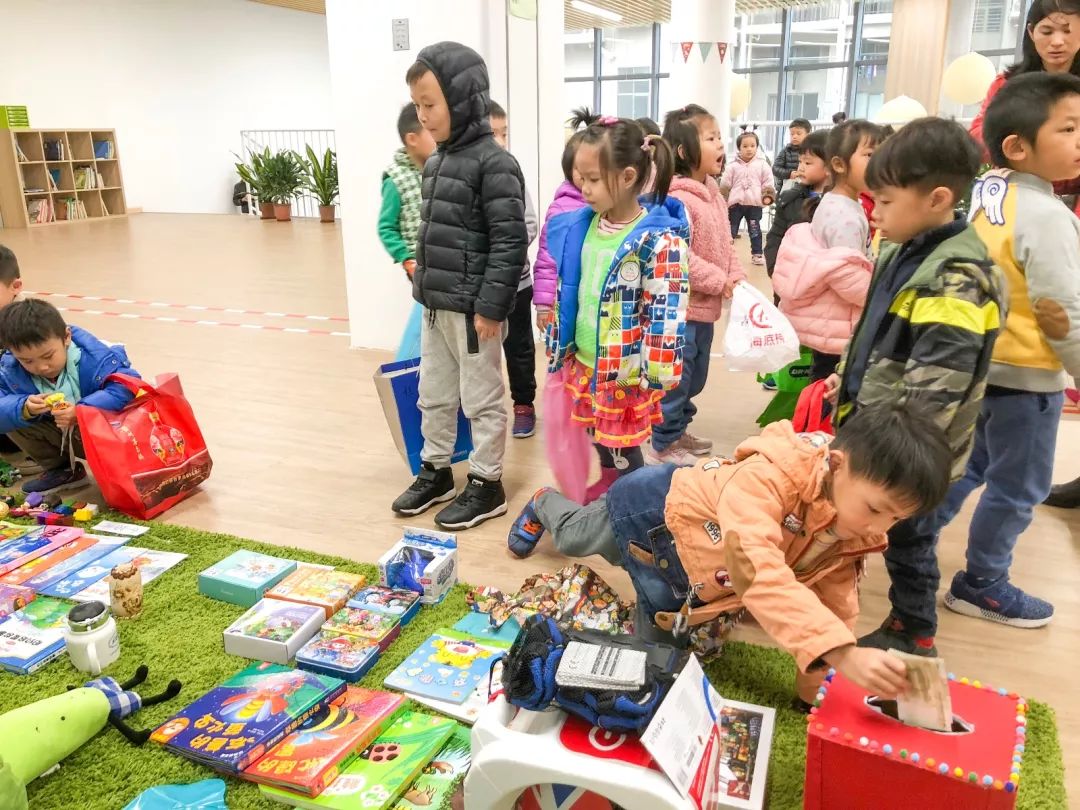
620,310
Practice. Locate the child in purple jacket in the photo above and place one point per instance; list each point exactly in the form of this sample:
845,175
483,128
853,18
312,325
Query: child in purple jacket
567,198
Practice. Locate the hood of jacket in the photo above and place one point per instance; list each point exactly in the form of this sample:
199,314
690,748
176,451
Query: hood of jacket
803,457
567,197
463,77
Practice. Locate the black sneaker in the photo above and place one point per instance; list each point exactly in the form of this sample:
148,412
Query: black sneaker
892,635
480,500
431,486
1065,496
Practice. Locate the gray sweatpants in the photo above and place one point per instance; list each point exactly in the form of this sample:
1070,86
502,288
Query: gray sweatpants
456,368
576,530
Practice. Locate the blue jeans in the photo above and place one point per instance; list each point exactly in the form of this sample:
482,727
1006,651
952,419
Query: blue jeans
1013,455
678,403
752,214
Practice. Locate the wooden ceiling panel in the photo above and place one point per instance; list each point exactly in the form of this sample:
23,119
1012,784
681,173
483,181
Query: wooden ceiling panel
646,12
311,6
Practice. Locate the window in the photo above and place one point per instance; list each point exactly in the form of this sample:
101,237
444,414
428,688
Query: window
615,71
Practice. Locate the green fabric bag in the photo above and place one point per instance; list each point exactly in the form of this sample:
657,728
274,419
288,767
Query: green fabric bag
790,381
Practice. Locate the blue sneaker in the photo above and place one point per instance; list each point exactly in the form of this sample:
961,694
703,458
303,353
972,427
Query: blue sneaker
63,478
527,529
768,382
524,421
1000,601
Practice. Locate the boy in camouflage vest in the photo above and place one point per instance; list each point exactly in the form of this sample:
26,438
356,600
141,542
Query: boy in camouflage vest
933,312
399,215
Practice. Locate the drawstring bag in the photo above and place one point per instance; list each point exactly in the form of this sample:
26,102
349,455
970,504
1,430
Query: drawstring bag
811,415
758,336
567,444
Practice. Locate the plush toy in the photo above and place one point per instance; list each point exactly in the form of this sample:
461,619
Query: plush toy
34,738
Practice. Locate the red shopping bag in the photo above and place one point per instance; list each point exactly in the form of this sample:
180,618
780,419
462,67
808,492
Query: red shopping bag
149,456
810,410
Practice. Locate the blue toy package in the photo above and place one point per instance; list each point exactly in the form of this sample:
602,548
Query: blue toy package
424,561
339,655
209,794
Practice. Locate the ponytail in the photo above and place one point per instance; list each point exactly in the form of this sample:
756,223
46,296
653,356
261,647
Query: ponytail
663,159
581,117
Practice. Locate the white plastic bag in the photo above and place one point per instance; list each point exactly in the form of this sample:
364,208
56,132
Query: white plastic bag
758,338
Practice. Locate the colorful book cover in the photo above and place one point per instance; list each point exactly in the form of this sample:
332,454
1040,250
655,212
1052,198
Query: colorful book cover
329,590
20,551
235,724
14,597
311,757
479,626
378,629
47,561
244,577
392,601
11,531
469,711
103,546
338,654
435,786
448,666
33,636
97,570
273,630
376,778
152,564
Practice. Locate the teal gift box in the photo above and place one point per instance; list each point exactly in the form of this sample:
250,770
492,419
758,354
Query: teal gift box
242,578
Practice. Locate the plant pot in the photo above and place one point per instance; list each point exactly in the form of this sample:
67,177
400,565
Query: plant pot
326,213
266,210
283,212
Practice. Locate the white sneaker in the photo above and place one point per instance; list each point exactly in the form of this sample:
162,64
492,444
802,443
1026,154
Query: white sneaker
695,444
675,454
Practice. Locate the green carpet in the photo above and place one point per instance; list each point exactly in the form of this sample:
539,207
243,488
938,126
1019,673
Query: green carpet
179,636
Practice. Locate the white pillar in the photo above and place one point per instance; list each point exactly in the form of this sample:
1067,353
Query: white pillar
697,79
368,84
958,41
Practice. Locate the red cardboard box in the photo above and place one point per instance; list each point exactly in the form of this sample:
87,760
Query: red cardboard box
858,757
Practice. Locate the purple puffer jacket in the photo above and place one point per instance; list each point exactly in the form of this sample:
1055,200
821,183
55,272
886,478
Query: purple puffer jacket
545,273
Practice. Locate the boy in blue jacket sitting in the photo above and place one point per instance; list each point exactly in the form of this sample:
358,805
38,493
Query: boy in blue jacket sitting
46,356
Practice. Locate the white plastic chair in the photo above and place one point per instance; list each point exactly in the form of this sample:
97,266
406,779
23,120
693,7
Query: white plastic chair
506,760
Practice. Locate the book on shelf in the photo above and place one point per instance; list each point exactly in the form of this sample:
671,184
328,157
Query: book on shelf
20,154
86,177
104,150
54,149
54,179
104,209
40,211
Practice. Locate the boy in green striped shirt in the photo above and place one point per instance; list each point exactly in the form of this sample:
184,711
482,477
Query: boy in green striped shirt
399,215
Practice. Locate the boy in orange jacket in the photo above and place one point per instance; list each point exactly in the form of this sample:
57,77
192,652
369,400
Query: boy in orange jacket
781,531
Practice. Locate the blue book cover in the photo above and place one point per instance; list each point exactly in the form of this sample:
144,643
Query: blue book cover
447,666
104,545
478,625
33,636
234,724
85,577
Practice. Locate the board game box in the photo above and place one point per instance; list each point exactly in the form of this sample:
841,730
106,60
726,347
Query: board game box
243,577
311,757
330,590
273,630
377,629
338,654
33,636
448,666
237,723
398,602
377,778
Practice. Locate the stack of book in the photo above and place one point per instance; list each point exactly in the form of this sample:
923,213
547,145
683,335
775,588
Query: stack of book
40,211
104,150
54,149
33,636
86,177
74,209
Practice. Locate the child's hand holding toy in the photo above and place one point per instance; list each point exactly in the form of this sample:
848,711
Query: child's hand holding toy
35,405
62,411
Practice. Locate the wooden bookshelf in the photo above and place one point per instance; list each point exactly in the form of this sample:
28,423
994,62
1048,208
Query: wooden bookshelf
71,152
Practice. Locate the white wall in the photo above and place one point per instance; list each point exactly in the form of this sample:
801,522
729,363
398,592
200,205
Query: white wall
177,80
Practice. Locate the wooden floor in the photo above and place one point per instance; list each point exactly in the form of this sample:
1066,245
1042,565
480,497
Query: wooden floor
303,457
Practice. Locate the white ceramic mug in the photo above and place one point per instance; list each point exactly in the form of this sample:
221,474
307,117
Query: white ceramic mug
91,636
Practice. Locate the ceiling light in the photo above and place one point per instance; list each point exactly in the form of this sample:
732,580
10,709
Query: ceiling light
596,11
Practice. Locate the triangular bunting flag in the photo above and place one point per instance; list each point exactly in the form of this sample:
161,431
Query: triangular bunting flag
686,47
704,47
721,48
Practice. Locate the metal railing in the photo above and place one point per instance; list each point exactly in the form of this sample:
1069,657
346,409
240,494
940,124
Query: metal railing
255,140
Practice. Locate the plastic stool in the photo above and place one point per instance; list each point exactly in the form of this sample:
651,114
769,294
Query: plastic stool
506,761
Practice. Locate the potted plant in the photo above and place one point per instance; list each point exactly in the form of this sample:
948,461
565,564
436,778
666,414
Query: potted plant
322,181
254,174
283,181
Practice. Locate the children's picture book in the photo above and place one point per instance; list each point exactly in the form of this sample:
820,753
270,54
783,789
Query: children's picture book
55,573
41,541
448,666
121,528
48,560
377,778
330,590
338,654
237,723
715,751
377,629
310,758
152,564
469,711
244,577
14,597
435,786
273,630
97,570
33,636
10,531
479,626
392,601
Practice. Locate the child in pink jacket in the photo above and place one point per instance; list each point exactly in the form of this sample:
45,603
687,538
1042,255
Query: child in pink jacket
694,136
747,185
567,198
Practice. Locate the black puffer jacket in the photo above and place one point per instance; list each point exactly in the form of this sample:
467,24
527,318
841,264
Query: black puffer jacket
472,243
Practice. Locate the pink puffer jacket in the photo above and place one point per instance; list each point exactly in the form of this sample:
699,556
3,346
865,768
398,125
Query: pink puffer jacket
822,290
747,183
545,273
713,263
